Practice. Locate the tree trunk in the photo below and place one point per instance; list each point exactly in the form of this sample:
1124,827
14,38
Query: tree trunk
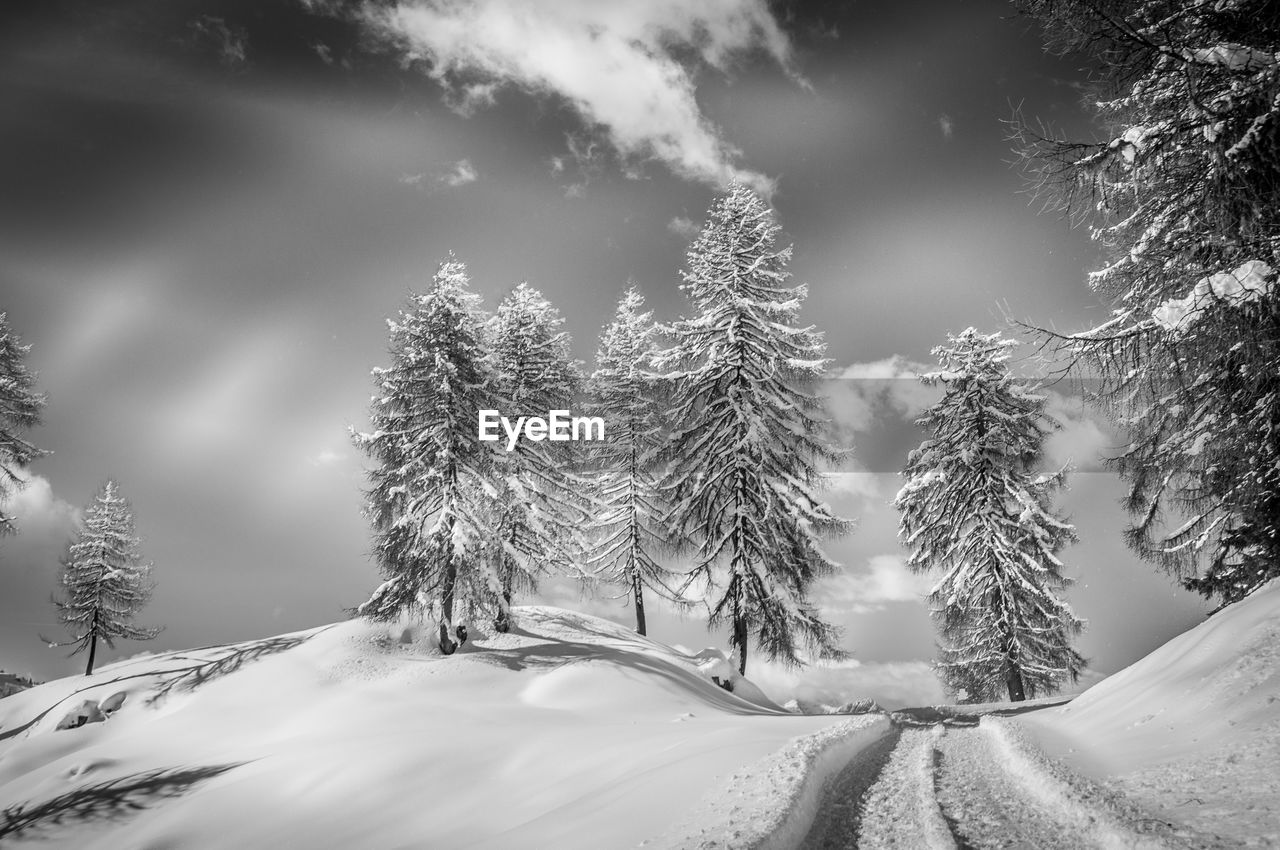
637,592
502,622
447,646
739,640
1013,680
93,643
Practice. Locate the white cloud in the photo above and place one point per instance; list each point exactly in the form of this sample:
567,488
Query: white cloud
37,512
1084,439
627,69
946,125
460,173
886,579
456,174
684,227
862,392
893,684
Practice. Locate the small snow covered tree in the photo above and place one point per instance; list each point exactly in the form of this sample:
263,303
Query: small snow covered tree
20,408
539,508
976,510
1184,195
104,581
428,499
749,434
626,526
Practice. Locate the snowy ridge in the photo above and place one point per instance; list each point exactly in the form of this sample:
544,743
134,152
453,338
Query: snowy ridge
1192,731
772,804
568,732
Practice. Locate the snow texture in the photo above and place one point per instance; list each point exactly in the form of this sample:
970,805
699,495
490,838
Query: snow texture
568,732
772,803
1192,731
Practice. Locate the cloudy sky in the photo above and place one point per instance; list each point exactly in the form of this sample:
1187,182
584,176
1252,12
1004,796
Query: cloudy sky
207,210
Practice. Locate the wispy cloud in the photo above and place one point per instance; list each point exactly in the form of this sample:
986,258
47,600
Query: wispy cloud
683,226
232,45
460,173
456,174
946,125
627,69
885,579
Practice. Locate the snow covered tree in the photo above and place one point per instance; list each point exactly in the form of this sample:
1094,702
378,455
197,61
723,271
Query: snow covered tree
20,408
539,508
428,499
976,510
1184,195
104,581
626,525
749,434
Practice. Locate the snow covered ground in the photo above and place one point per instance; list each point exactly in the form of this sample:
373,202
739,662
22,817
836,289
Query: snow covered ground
1191,732
569,732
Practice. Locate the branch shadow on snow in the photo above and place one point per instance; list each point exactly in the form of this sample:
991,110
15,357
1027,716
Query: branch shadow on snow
204,671
112,799
183,678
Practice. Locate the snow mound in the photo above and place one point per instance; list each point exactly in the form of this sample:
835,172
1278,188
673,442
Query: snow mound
568,732
1192,731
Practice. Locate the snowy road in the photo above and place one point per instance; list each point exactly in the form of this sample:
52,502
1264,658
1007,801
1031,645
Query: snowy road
975,787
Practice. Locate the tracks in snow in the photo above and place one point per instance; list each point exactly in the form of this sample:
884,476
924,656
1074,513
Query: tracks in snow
975,788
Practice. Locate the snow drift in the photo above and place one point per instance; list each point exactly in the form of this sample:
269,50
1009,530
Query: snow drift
570,731
1192,731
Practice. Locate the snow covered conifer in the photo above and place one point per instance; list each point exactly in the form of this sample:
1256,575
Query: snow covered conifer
749,434
976,511
1183,193
626,525
20,407
539,508
104,581
428,495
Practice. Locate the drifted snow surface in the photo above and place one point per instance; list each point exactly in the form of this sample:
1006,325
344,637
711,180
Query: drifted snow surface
1191,732
569,732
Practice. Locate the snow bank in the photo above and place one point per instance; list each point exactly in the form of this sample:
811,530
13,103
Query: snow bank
771,804
1192,731
568,732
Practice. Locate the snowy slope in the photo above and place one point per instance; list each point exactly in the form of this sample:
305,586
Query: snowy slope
1192,731
569,732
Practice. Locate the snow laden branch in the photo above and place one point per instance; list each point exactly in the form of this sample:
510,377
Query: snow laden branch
1184,199
748,436
976,512
626,531
105,582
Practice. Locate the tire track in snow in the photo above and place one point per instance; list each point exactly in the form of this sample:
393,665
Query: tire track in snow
843,803
974,788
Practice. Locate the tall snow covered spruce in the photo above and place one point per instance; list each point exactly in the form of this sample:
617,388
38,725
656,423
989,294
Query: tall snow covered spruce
1185,197
429,495
539,509
104,581
748,435
976,511
20,408
626,524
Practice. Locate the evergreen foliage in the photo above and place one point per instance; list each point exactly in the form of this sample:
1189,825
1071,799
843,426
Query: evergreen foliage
539,509
1184,195
20,409
626,522
976,511
104,581
429,495
749,434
